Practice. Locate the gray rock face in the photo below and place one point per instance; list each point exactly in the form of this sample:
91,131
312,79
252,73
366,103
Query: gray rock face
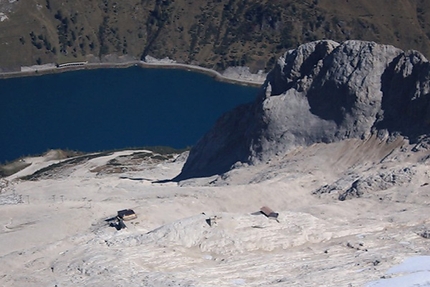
321,92
350,187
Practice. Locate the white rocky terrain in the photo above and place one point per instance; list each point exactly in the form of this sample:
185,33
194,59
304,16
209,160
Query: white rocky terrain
336,143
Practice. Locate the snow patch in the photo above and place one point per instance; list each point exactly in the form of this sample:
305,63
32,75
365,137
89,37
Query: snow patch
152,60
3,17
414,271
49,66
244,74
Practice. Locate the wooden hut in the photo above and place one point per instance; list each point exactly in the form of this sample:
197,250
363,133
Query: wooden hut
269,212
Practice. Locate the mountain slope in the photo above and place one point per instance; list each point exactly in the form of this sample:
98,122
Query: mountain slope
213,34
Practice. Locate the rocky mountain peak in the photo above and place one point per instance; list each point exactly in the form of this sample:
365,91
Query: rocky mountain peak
322,91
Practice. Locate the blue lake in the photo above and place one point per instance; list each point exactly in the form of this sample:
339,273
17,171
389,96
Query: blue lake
106,109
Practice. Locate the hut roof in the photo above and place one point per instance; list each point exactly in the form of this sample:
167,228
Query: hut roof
269,212
126,213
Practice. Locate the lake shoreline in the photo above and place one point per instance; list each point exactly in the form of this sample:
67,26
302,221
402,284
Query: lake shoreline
61,107
159,64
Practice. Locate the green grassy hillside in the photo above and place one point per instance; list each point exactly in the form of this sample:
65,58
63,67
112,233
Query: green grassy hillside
214,33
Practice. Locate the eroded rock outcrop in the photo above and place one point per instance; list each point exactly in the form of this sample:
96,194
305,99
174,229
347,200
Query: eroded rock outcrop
347,187
321,92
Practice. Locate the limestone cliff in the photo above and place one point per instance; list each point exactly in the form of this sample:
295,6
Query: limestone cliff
322,91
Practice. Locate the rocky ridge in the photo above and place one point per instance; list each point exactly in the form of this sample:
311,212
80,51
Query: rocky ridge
321,92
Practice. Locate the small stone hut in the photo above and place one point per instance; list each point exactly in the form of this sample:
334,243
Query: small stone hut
127,214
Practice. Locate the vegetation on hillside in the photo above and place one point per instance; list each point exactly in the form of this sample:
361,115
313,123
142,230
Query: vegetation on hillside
213,33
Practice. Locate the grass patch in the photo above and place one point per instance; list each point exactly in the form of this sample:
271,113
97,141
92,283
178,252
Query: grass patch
47,171
12,168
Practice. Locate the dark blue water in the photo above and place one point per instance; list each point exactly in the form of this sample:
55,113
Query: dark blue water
107,109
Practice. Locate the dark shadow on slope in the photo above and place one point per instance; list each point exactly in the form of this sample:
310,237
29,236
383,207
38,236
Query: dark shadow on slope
330,102
328,99
405,105
227,143
289,76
